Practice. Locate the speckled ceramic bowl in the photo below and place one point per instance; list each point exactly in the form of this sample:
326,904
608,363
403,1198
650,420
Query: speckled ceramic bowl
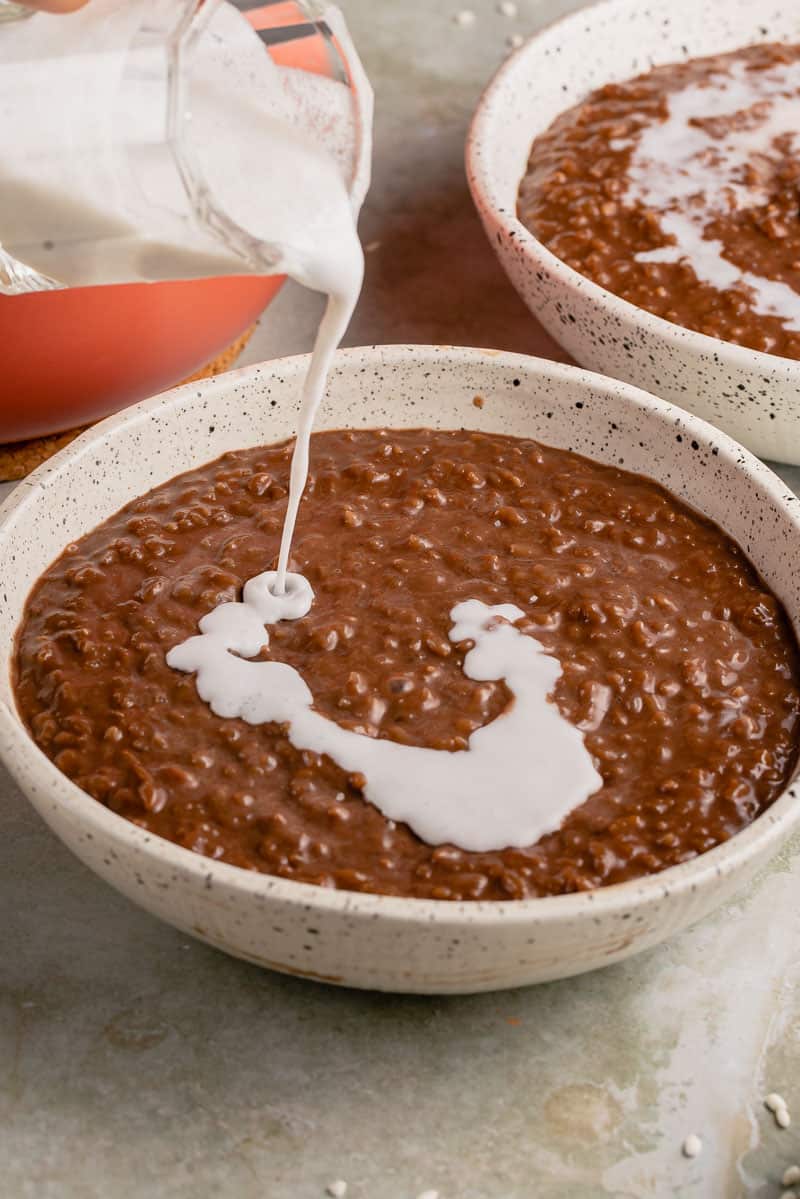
367,940
753,396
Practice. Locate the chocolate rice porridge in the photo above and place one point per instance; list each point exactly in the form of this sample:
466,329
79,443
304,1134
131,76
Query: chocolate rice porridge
679,191
679,665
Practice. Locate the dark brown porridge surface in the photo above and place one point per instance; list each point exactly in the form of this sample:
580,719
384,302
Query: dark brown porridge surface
573,197
677,660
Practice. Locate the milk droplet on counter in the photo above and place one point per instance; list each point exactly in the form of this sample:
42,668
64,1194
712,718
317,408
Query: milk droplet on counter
520,776
776,1104
689,176
692,1146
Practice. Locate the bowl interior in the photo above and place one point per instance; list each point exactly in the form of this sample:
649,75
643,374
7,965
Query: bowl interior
73,356
606,43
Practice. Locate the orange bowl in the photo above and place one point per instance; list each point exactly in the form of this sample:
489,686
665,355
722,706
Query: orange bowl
71,357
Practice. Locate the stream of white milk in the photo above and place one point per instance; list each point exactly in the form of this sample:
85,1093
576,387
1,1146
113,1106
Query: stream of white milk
521,775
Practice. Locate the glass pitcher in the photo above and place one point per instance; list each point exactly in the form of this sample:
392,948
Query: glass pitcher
138,137
72,354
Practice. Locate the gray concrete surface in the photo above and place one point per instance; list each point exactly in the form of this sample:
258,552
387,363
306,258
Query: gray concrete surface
136,1064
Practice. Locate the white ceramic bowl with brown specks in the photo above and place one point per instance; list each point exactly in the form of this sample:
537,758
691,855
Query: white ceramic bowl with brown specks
751,395
369,940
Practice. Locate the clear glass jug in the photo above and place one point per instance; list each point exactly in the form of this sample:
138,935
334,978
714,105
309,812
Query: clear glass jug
138,138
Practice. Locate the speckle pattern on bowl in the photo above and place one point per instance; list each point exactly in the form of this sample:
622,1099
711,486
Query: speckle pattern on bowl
753,396
368,940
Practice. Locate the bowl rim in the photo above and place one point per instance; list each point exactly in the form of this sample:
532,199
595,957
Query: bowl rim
25,761
490,197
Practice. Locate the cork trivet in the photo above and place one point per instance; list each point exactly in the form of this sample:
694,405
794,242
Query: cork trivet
19,459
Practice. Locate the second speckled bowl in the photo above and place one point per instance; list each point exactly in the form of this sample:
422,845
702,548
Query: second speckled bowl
753,396
371,940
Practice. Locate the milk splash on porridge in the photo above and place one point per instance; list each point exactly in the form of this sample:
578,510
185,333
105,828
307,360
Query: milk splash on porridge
521,775
689,174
